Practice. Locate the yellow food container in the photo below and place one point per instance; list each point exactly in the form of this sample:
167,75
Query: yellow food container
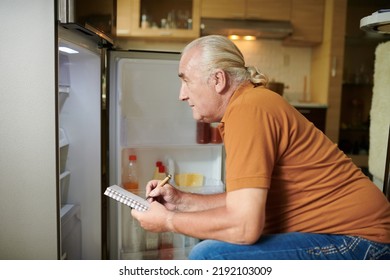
189,180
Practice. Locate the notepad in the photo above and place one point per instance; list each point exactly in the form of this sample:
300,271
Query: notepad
128,198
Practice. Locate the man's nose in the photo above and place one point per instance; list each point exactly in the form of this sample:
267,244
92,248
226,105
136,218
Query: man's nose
182,95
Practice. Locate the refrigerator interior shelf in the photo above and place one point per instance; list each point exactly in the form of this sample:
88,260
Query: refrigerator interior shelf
64,186
196,159
179,146
162,254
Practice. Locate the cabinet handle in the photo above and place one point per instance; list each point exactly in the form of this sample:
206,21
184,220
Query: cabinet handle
304,111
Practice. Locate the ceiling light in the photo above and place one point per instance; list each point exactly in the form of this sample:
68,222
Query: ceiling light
234,37
249,38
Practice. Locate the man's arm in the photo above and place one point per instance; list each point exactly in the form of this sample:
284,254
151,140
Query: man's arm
240,220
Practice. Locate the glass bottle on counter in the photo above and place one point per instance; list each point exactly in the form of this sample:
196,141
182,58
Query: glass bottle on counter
131,182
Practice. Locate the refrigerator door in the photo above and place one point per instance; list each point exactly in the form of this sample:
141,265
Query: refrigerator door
79,114
148,119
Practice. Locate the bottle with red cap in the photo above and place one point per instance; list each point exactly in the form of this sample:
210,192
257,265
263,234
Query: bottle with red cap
131,182
159,173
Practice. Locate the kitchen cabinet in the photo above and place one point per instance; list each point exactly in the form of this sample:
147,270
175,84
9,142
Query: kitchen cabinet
178,19
268,9
307,18
223,9
248,9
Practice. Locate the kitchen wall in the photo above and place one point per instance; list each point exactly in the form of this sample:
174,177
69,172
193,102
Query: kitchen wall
283,64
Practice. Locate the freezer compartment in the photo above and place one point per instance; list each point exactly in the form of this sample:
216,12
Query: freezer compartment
79,109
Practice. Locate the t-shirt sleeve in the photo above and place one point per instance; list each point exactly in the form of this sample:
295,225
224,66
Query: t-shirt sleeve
251,139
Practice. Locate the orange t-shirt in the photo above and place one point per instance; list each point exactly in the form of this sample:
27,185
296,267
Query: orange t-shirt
312,185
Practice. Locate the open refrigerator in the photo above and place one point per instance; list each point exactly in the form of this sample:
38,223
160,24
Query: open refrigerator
147,119
141,115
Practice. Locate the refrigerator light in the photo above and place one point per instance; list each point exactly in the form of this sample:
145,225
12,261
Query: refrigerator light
67,50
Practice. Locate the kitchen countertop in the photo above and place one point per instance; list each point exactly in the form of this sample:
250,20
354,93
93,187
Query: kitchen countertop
308,104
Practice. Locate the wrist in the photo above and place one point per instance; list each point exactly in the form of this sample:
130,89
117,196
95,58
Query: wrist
170,225
182,202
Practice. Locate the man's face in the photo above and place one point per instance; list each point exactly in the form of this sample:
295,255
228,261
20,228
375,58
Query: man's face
196,87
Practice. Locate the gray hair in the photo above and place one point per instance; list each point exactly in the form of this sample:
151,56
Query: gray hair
218,52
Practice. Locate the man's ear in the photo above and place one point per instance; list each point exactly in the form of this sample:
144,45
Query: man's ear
220,80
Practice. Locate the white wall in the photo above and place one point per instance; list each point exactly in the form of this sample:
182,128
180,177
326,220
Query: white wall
28,218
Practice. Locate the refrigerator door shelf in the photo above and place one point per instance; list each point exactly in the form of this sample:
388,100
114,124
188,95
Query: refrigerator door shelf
64,89
63,95
211,186
70,232
63,138
64,148
64,175
64,186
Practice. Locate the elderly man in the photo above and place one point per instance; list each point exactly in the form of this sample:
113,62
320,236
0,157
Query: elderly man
290,192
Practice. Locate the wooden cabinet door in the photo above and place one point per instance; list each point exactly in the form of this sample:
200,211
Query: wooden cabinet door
223,8
307,17
129,20
268,9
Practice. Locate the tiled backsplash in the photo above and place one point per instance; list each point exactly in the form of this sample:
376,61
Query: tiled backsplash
288,65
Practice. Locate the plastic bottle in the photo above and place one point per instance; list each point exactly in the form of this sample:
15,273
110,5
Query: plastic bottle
160,171
156,170
131,182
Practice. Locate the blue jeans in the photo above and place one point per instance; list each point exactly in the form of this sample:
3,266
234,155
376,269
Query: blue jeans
294,246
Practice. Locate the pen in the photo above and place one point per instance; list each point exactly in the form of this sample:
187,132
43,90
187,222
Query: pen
162,183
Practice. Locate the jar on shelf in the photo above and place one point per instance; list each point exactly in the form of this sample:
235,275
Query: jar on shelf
202,132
